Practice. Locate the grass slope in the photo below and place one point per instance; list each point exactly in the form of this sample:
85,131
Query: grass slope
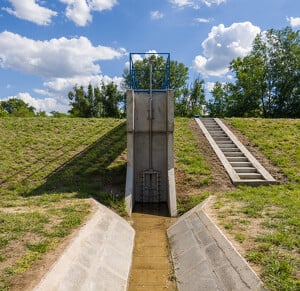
48,167
271,212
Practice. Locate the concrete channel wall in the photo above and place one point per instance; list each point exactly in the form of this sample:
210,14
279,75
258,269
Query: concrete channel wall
204,259
99,258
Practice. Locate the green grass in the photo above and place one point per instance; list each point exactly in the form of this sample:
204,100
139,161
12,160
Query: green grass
48,167
188,158
276,246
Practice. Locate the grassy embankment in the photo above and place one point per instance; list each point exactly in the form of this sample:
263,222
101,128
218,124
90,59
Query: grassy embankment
48,167
273,212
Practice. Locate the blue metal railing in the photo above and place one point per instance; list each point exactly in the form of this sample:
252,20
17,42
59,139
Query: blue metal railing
139,75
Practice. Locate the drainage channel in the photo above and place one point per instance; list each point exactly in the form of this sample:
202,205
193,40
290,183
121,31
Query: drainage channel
240,164
151,266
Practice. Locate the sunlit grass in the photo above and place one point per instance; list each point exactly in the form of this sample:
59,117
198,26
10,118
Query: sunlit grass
48,167
276,208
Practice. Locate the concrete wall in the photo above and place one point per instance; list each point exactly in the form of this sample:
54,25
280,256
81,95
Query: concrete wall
99,257
140,151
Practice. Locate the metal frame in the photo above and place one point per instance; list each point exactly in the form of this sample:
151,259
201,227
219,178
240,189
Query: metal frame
133,76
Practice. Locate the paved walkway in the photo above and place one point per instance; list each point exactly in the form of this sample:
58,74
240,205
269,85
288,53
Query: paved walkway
151,268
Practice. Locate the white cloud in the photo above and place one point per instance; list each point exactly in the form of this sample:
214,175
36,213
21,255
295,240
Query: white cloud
55,58
224,44
100,5
196,4
79,11
62,63
156,15
59,85
294,21
47,104
203,20
31,11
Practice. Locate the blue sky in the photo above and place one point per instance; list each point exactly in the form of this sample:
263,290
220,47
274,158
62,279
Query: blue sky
46,47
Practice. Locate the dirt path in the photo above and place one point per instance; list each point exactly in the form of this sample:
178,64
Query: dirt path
151,267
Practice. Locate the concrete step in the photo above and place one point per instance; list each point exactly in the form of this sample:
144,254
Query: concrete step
222,138
237,159
240,164
233,154
255,176
245,170
224,150
228,145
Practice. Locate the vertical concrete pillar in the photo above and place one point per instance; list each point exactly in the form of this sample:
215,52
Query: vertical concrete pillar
150,161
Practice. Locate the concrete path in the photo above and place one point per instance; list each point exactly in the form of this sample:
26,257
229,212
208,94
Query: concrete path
99,258
151,268
204,259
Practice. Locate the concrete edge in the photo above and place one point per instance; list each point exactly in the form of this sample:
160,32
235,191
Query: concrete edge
102,248
237,261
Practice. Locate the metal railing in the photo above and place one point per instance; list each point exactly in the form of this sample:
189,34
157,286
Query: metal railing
139,71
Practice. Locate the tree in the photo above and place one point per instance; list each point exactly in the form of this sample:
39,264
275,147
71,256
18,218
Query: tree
16,107
217,105
96,102
197,98
268,79
178,74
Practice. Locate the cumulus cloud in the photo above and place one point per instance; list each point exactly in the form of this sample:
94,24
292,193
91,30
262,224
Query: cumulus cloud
196,4
59,85
47,104
58,57
293,21
224,44
62,63
154,15
31,11
79,11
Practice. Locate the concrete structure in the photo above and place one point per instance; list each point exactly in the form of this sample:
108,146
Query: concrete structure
203,258
241,166
150,167
99,258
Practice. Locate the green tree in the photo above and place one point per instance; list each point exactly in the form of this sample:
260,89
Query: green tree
96,102
217,104
17,107
178,74
268,79
197,97
111,99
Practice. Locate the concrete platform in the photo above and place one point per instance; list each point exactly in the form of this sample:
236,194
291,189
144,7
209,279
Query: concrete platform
99,258
204,259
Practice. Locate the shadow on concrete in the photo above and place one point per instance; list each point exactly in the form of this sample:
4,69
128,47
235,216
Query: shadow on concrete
155,209
94,172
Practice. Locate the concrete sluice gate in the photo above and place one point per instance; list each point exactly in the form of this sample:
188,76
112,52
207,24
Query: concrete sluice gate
150,166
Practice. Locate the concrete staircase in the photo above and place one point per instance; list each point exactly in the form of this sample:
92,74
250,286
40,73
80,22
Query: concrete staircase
240,164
